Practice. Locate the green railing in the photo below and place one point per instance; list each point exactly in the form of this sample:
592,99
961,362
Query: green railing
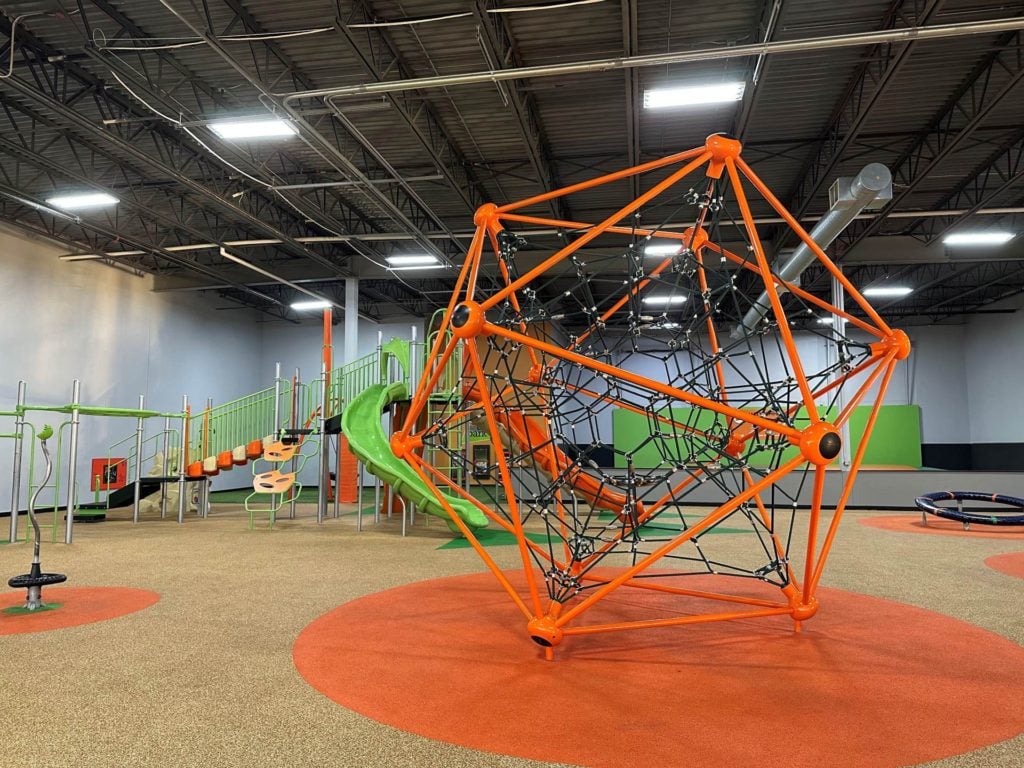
227,426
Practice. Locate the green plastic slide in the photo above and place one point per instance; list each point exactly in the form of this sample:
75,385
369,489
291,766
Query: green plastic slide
361,424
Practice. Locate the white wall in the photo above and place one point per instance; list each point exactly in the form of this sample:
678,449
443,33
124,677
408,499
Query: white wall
300,346
65,320
994,367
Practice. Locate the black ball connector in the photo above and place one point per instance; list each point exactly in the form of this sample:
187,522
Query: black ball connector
460,316
830,445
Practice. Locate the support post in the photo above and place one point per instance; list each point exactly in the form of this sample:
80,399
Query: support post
69,520
275,429
294,424
322,463
140,426
183,461
19,439
838,333
359,501
166,469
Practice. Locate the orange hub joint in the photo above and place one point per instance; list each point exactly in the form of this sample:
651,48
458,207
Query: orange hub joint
485,214
897,340
467,320
402,443
722,147
696,239
804,611
545,632
820,443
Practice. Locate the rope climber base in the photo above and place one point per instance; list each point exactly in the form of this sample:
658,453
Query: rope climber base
632,324
34,581
929,505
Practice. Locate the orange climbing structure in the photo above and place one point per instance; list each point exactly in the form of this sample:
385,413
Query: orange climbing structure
646,321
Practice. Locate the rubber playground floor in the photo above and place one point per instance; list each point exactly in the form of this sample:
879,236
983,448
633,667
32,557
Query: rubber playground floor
206,675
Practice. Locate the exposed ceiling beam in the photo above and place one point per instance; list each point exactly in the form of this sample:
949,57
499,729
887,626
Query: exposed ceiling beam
881,65
992,80
1001,172
502,53
50,71
328,150
382,59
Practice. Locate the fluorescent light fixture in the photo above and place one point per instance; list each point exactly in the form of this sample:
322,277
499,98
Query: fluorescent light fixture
824,321
264,128
412,260
301,306
890,291
978,238
693,96
664,300
84,200
662,249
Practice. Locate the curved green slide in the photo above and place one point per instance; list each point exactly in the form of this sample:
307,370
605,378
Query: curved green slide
361,424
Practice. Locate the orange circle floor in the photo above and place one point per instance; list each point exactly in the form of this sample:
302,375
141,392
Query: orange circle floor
1010,563
78,605
867,683
940,526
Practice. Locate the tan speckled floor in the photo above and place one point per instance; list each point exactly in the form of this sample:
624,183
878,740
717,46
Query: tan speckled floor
205,677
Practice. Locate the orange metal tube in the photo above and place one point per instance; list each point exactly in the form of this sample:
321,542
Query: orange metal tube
574,246
416,463
806,238
506,480
773,295
826,547
695,530
718,596
812,533
416,408
643,381
674,622
590,183
797,290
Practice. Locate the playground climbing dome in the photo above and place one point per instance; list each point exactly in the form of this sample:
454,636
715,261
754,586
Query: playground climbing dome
645,330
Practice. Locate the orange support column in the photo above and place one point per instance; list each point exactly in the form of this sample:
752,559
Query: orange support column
348,476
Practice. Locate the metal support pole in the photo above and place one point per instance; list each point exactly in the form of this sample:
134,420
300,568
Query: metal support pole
839,333
182,469
69,520
277,419
359,497
140,426
19,439
295,424
323,463
166,469
337,475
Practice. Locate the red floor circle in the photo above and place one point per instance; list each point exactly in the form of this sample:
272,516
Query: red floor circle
941,527
868,683
1010,563
78,605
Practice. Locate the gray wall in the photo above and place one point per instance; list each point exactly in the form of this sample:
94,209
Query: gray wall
65,320
994,368
300,346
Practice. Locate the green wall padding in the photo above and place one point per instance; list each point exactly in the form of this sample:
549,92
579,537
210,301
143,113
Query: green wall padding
896,438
